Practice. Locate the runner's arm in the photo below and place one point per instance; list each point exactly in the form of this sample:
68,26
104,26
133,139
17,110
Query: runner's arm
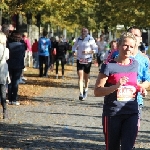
100,90
75,46
146,76
94,47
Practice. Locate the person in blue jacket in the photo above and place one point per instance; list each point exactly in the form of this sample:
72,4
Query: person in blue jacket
143,69
44,46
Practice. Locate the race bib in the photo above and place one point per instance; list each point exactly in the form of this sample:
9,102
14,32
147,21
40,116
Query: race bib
126,93
83,61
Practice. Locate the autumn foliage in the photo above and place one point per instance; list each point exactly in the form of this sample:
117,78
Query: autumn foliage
35,86
73,14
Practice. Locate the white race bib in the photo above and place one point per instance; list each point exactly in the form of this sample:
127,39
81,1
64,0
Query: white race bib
83,61
126,93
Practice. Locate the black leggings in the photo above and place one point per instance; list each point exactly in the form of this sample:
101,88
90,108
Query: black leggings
63,61
120,129
43,60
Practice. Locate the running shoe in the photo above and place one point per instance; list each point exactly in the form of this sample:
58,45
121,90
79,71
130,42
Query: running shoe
81,97
85,94
16,103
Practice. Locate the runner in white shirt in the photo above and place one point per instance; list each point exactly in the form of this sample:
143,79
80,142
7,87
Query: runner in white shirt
85,46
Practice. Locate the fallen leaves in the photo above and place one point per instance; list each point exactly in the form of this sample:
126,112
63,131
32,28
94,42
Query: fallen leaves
35,85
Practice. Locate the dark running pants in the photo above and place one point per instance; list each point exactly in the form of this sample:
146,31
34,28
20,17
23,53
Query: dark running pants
43,60
85,67
63,61
120,130
15,75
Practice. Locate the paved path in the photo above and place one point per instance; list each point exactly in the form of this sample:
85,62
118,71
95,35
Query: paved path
59,121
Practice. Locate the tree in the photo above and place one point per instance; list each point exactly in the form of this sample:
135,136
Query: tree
94,14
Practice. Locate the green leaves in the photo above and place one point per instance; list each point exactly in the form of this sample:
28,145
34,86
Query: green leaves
92,14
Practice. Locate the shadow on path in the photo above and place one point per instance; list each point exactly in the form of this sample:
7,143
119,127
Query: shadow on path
30,137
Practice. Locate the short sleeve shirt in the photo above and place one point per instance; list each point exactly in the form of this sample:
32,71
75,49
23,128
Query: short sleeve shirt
113,104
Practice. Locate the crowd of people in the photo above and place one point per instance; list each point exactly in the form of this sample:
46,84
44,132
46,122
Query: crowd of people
122,80
17,53
52,50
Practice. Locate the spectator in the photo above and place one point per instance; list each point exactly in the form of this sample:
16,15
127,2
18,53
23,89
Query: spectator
101,43
61,49
4,55
113,51
17,49
7,31
35,54
44,46
53,52
143,68
28,50
71,54
27,57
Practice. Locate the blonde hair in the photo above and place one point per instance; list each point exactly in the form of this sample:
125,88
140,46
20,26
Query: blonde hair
25,34
2,38
126,35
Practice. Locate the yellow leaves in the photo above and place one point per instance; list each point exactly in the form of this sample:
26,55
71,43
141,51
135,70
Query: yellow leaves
137,12
69,12
84,2
108,3
35,86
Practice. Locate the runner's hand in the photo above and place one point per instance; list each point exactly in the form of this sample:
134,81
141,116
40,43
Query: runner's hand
74,54
84,52
122,81
87,52
91,51
143,91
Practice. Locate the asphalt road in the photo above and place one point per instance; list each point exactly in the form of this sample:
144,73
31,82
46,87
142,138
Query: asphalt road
59,121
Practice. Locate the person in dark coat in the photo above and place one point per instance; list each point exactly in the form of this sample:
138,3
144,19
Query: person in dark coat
15,62
61,49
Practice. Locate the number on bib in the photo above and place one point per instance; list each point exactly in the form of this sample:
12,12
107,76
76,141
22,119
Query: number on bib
126,93
83,61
